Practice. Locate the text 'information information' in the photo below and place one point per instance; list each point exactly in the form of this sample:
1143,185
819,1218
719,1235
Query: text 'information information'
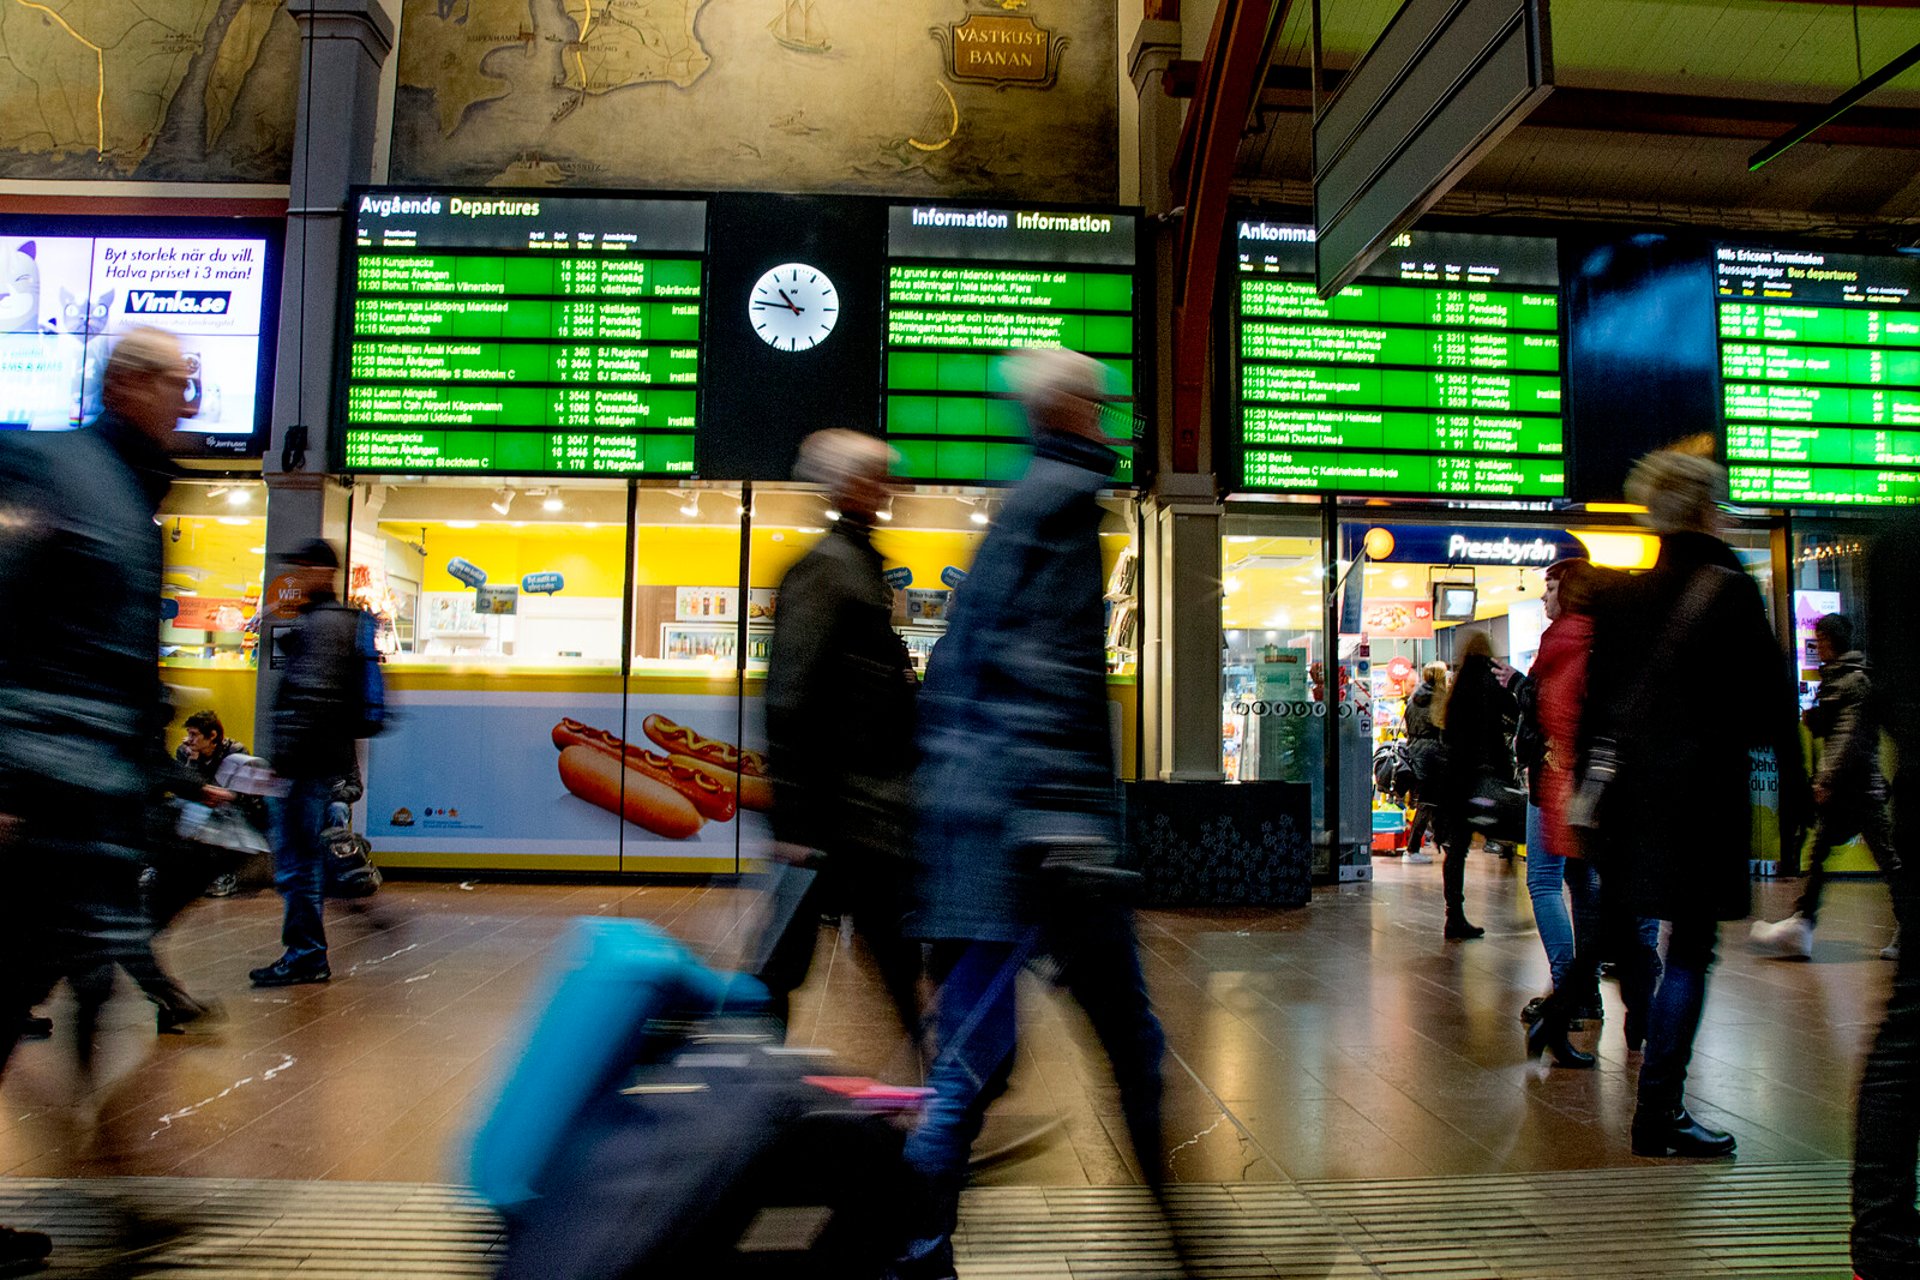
965,288
522,335
1437,372
1820,375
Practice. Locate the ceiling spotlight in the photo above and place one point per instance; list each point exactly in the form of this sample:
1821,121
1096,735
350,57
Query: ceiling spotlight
832,515
691,507
979,516
238,497
883,516
502,500
553,504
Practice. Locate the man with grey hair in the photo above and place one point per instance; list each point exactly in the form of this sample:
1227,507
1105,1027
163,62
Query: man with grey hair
1676,817
840,704
1020,835
80,696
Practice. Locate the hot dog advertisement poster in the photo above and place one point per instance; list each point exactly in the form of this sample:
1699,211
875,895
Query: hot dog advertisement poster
569,780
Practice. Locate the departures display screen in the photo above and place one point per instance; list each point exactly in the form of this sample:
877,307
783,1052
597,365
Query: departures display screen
967,287
523,334
1437,372
1820,375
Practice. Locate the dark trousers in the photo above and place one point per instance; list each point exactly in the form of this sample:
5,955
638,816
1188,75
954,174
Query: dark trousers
300,869
875,892
1423,820
975,1034
1673,1019
1838,822
1886,1135
1456,837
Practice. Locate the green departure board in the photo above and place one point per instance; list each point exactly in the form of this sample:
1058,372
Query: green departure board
522,335
1438,372
1819,375
968,287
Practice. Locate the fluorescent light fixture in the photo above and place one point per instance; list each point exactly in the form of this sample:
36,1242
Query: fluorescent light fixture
1240,539
463,524
257,551
811,529
241,521
502,500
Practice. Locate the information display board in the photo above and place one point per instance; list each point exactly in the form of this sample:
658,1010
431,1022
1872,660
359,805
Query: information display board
1820,375
1438,372
71,286
968,286
521,334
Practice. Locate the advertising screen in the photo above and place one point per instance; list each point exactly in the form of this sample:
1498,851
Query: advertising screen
521,334
69,286
1820,375
1438,372
968,286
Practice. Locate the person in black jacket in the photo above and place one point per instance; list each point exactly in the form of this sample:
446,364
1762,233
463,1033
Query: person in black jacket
204,747
1426,712
1478,750
840,699
81,708
1886,1133
1677,816
1849,792
314,730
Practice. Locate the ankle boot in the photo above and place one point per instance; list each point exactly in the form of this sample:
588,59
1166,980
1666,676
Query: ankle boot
1460,928
1675,1133
1550,1033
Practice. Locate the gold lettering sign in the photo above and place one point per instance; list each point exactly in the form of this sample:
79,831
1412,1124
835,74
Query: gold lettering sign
1001,49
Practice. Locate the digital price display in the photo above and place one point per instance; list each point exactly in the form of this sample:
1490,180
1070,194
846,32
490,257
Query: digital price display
1437,372
1820,375
967,287
523,335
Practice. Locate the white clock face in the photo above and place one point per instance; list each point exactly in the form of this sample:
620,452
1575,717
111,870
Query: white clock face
793,307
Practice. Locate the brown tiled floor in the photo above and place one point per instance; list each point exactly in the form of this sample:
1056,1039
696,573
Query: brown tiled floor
1341,1041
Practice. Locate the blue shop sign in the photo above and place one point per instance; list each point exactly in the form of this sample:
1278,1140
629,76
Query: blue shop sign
900,577
466,571
1476,545
542,584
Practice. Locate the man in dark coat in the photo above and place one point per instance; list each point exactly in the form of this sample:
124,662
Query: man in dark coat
80,696
840,695
315,725
1849,791
1017,776
1678,815
1886,1134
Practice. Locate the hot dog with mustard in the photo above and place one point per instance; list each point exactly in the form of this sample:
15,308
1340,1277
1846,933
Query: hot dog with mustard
712,796
720,760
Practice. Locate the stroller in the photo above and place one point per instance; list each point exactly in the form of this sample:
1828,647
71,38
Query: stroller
653,1125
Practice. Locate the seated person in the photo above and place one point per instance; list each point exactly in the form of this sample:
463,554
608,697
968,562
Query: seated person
205,748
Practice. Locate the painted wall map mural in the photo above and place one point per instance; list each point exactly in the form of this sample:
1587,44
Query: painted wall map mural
184,90
1015,97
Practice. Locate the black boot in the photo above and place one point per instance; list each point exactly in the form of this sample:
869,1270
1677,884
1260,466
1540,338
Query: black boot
1675,1133
1550,1033
1460,928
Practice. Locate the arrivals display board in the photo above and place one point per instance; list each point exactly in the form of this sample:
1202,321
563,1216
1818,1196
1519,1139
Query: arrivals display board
968,285
521,333
1438,372
1820,375
70,286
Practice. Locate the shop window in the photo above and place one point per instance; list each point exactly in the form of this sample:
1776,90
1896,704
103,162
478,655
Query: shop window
214,546
1828,569
687,597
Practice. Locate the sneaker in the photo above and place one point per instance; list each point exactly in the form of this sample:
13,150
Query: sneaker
1419,857
282,973
22,1250
188,1015
1790,939
224,886
1892,950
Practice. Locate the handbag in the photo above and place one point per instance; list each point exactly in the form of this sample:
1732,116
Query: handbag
1498,810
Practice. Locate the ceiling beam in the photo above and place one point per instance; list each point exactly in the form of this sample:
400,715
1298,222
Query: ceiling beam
1824,116
1287,90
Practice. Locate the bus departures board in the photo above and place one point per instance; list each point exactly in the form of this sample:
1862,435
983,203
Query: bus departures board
1437,372
1820,375
968,286
524,334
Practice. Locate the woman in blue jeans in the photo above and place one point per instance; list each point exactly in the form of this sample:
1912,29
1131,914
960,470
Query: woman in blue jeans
1566,907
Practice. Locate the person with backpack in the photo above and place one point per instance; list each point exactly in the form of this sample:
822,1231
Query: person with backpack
329,696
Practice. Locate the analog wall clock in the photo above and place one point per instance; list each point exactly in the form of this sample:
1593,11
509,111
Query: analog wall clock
793,307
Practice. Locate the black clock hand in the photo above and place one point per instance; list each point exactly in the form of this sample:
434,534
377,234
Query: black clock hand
790,303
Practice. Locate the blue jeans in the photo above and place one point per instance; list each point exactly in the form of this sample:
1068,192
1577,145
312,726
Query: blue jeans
1673,1019
300,869
975,1031
1548,874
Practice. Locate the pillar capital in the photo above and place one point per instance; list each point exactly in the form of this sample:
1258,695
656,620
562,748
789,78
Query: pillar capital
366,21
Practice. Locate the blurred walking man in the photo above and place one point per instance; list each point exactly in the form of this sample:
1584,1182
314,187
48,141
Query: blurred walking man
1021,826
80,697
840,695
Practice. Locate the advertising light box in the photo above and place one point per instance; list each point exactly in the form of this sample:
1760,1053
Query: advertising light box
966,287
70,286
1820,375
1437,373
521,334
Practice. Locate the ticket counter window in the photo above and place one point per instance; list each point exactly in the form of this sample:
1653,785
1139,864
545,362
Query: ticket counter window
494,577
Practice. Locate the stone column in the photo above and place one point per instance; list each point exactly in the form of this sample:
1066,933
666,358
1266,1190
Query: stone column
343,45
